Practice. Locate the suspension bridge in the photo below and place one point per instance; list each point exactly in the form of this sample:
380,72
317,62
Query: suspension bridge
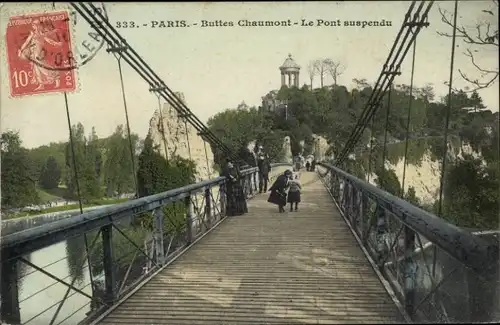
353,253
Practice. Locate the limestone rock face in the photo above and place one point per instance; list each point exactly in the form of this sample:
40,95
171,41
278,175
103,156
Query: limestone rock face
320,148
288,150
181,139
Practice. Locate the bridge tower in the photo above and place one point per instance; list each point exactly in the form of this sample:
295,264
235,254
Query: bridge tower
290,69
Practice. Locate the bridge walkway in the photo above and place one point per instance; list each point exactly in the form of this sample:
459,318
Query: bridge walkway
264,267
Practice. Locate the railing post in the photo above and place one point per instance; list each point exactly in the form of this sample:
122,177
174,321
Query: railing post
345,196
109,276
158,215
249,185
208,207
355,208
379,222
222,200
254,181
409,270
352,193
9,308
189,220
361,213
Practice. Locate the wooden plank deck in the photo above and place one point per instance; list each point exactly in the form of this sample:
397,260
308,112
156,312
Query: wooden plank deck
300,267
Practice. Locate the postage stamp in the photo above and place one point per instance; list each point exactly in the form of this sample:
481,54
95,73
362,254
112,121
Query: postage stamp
40,54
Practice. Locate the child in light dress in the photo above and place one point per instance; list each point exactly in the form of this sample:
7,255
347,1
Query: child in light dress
294,192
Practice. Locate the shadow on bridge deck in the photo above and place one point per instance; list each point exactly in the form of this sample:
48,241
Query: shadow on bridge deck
267,268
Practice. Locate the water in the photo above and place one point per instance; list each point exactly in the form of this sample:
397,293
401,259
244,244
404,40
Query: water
40,295
10,226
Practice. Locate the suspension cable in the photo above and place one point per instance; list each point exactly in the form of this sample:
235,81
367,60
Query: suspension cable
387,113
162,125
80,205
378,92
78,191
209,173
372,133
408,120
111,36
448,111
117,54
364,118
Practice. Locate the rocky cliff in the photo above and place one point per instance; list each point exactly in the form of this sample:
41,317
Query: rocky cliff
181,139
425,177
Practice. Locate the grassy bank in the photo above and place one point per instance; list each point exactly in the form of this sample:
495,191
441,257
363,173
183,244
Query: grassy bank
68,207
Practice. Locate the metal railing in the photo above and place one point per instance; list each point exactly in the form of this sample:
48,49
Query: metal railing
43,282
434,271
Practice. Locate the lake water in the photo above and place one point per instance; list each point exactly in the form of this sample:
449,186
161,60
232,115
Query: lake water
40,295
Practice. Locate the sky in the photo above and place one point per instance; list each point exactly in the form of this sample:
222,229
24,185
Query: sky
217,68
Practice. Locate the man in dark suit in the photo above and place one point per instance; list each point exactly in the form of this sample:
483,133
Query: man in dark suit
264,169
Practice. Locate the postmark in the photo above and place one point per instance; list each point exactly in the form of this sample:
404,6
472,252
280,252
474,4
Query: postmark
34,43
87,41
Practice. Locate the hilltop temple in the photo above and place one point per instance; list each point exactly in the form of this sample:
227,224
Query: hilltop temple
290,72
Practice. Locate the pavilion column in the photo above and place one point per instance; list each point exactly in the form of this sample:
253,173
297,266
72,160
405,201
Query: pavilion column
297,79
289,79
283,80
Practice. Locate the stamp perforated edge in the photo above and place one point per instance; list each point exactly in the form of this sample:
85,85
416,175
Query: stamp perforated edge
6,12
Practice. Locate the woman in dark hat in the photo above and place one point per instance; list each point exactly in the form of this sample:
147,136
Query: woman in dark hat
278,190
236,201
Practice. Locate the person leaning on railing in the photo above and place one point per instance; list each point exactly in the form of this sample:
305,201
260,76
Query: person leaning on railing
236,201
264,169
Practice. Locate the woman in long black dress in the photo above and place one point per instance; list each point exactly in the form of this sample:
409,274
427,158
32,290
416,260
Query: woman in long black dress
236,200
278,190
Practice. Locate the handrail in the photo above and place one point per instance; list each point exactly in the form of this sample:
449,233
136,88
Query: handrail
470,250
27,241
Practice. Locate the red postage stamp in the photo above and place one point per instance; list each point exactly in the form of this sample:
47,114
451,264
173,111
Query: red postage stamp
39,48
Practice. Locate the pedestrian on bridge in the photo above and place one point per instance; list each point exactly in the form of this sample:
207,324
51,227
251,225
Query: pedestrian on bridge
294,192
235,197
264,169
278,190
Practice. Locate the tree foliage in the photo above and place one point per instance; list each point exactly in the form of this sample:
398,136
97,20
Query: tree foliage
18,184
50,175
471,193
332,111
118,174
83,159
479,39
156,175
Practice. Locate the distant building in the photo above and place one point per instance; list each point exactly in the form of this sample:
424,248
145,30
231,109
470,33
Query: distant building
290,72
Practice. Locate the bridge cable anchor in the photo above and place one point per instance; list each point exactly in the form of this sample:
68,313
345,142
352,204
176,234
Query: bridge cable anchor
117,49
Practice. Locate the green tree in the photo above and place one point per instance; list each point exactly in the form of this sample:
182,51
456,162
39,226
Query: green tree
88,161
39,157
117,168
18,185
238,127
50,174
411,196
388,181
471,194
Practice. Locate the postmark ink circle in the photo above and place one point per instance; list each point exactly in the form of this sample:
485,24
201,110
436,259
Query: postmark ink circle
55,48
